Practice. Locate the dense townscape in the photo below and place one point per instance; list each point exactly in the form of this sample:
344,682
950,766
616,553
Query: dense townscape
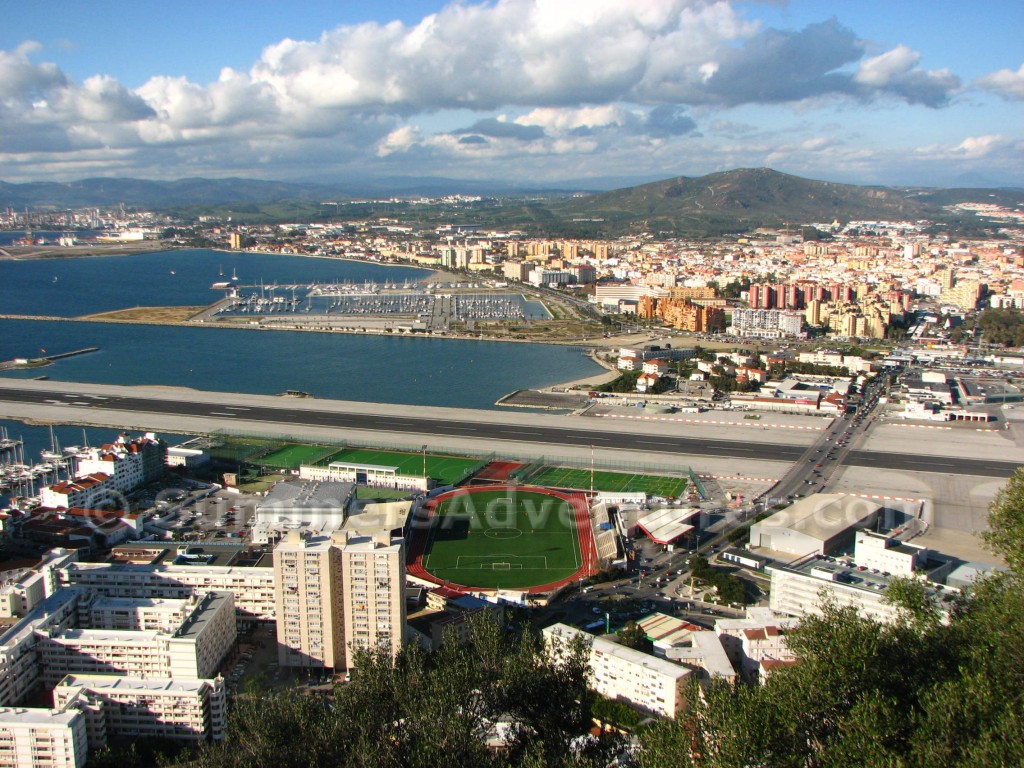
252,601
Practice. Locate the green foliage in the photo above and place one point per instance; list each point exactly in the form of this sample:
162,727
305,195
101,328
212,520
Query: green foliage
1002,326
914,693
625,383
423,711
1006,522
730,588
734,288
615,713
633,636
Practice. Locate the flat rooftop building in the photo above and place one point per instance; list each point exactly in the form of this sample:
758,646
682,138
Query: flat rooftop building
819,524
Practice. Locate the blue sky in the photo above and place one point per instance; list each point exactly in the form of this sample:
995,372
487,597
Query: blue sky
525,91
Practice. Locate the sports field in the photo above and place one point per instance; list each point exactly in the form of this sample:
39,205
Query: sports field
238,449
611,482
444,469
504,539
294,455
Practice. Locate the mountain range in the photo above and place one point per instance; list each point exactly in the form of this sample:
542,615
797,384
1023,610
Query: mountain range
731,201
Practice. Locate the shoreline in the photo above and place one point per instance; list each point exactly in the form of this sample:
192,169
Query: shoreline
590,346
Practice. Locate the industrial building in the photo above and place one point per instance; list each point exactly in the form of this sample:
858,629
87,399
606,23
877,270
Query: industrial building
820,524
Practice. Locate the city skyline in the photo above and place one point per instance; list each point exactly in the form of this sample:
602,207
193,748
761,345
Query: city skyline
517,90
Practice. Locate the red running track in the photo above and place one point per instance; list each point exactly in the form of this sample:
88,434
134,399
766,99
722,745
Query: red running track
585,535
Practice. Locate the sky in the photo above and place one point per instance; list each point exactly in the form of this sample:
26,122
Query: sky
545,92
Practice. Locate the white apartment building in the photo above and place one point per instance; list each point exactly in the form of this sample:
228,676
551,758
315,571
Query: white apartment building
253,587
373,575
766,323
625,674
42,738
194,649
24,592
19,656
310,623
183,709
86,491
128,463
335,593
138,614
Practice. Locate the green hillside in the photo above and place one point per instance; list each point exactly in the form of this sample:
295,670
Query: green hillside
739,200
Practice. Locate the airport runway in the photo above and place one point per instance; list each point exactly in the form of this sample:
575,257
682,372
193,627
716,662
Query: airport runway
490,428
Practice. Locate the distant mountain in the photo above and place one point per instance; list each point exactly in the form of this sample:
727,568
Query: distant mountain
727,202
740,200
103,192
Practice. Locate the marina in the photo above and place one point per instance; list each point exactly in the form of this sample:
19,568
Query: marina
22,475
382,366
433,307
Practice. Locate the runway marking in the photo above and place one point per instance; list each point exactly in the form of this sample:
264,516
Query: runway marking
519,432
753,424
887,498
221,413
237,408
740,477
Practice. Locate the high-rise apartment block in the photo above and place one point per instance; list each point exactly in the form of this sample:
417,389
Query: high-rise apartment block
337,592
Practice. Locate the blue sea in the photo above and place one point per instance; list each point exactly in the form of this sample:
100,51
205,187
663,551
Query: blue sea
410,370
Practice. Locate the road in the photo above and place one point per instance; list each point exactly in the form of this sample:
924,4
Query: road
492,430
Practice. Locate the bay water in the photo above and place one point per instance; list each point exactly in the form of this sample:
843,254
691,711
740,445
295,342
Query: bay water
371,368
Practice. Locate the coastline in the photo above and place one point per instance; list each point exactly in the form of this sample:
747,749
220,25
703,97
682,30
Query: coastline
590,346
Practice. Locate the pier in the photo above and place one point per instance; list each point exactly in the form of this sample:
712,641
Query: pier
39,362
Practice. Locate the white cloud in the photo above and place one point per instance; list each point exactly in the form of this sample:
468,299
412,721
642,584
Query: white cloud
897,72
1006,82
538,79
399,140
980,146
562,120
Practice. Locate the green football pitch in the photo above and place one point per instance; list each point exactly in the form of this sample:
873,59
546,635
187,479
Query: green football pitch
444,469
294,455
503,539
610,482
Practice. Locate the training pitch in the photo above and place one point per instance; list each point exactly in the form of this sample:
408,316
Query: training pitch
507,538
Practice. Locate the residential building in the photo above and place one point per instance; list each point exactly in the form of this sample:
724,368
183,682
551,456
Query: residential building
253,587
335,593
373,575
624,674
194,648
183,709
43,738
765,323
310,602
129,463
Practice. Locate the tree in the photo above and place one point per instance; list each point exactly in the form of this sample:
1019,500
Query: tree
1005,536
919,691
632,636
422,710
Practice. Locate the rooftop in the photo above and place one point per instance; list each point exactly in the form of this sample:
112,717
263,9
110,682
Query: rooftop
822,515
147,684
